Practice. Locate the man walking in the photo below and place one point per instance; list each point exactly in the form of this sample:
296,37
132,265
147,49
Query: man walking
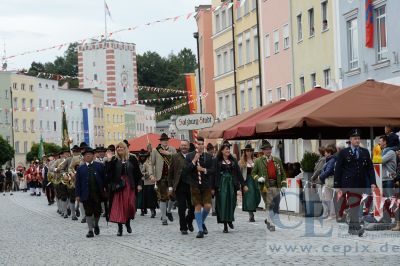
354,175
268,171
89,189
200,170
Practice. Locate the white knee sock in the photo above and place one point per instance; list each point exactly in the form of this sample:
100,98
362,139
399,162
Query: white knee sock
163,208
170,205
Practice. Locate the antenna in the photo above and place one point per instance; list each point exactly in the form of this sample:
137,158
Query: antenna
3,59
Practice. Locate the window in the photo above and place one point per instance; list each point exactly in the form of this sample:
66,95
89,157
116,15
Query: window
324,9
54,104
41,124
286,43
6,94
240,50
14,85
250,95
17,147
258,93
48,125
255,40
269,96
248,55
72,126
352,40
231,59
30,87
22,86
313,78
299,28
225,61
24,125
32,124
279,93
242,104
220,106
55,126
223,19
302,85
267,49
16,126
253,4
327,77
289,92
246,7
229,16
31,104
40,103
227,107
217,23
25,146
276,41
219,64
239,12
95,77
233,105
311,22
47,103
381,33
23,103
40,85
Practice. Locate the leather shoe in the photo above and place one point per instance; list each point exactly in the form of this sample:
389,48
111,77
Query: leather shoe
90,234
170,217
77,213
205,231
230,224
74,218
184,232
190,227
96,230
65,216
128,228
165,222
200,234
83,220
214,214
251,219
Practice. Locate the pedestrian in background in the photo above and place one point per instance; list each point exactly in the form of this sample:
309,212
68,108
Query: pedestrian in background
326,179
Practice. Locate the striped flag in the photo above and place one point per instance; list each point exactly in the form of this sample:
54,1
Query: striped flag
369,24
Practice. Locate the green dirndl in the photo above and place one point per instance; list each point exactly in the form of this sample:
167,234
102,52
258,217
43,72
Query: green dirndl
226,199
252,198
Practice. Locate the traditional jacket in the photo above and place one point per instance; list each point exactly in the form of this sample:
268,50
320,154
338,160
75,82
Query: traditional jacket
33,173
260,170
157,162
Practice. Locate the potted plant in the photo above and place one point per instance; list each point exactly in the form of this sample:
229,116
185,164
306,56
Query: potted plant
308,163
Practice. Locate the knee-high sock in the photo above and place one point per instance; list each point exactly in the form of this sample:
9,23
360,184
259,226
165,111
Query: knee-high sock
58,205
90,222
64,207
82,209
170,205
37,190
72,207
163,208
199,220
32,190
204,214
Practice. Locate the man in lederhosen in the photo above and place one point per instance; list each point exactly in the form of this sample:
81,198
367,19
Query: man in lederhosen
89,189
161,161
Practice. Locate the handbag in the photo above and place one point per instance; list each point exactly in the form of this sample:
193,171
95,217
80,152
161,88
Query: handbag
117,187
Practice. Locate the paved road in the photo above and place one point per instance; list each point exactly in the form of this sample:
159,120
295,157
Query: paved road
32,233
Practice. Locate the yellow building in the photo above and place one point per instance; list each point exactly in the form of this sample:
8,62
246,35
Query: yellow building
114,124
223,61
247,57
26,132
313,44
98,118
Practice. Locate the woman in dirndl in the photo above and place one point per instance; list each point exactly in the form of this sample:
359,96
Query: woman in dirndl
226,182
125,180
149,195
252,198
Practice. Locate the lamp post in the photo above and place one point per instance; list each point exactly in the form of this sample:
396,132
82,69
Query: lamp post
196,36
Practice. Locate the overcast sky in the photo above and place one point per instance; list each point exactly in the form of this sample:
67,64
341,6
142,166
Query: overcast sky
28,25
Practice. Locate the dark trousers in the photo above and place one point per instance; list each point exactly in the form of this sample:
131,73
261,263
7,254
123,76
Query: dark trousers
50,193
351,199
183,196
92,207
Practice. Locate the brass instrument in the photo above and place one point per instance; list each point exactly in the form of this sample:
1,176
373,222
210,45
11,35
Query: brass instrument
59,177
75,162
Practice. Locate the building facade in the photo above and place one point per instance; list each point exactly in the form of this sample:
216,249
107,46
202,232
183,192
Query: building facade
98,117
224,64
5,108
114,124
245,28
109,66
313,44
206,59
276,50
358,63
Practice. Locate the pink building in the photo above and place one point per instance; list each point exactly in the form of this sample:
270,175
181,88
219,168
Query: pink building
276,50
204,24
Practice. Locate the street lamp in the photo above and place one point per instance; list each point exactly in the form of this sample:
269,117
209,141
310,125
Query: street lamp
196,36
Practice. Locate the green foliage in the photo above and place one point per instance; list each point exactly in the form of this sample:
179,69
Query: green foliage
48,148
165,72
308,161
7,152
64,65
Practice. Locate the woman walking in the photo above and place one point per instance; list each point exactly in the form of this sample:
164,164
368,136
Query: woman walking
326,178
252,198
124,178
149,195
226,182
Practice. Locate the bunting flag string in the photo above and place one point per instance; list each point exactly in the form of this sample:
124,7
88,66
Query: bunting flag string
184,17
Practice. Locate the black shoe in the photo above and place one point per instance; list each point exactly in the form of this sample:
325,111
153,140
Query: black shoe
153,214
170,217
214,214
77,213
230,224
205,231
142,213
65,216
83,220
49,203
165,222
190,227
58,211
251,219
119,233
128,227
104,215
74,218
37,194
32,194
96,230
225,230
11,194
200,234
69,212
90,234
270,226
184,232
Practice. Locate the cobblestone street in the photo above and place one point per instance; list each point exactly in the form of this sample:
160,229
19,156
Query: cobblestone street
32,233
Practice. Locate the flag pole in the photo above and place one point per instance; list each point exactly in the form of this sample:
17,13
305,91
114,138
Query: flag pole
105,23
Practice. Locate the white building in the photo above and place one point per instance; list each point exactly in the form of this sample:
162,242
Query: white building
109,66
48,111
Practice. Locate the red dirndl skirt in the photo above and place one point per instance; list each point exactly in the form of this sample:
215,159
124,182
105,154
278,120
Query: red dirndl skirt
123,206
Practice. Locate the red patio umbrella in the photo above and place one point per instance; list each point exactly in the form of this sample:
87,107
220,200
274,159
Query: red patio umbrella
247,128
136,144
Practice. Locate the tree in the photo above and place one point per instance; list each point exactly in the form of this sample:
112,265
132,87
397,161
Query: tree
165,72
7,152
48,148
